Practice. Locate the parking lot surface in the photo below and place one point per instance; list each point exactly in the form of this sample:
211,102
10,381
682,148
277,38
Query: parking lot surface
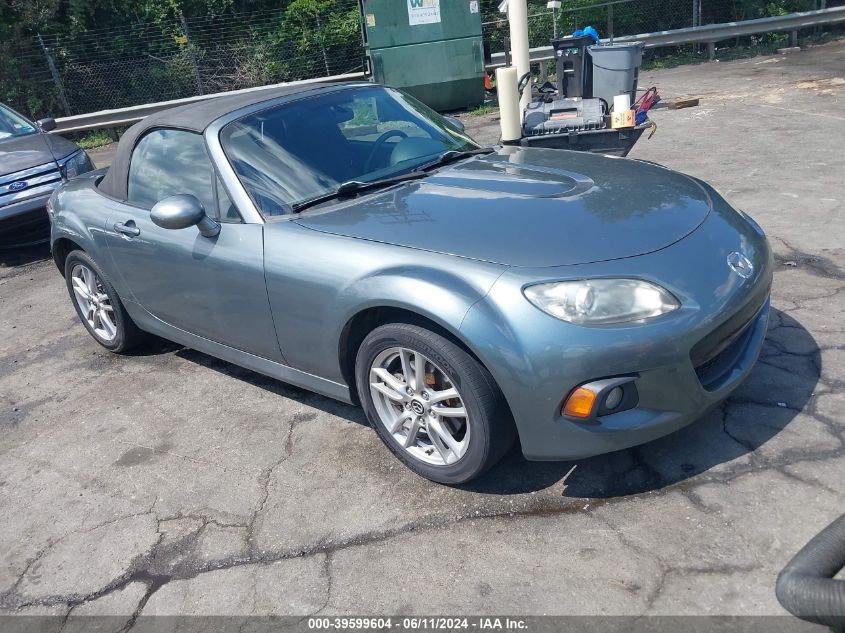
168,482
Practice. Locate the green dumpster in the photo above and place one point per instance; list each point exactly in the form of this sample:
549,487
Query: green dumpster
429,48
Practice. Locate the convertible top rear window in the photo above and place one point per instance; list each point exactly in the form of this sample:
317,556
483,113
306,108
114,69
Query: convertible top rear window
297,151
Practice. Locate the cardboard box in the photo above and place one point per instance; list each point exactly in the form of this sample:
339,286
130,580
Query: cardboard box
625,118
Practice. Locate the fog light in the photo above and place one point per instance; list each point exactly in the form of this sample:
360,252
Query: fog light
580,403
613,399
597,398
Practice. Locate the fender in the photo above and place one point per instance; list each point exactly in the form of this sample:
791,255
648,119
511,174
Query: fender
447,299
434,293
311,308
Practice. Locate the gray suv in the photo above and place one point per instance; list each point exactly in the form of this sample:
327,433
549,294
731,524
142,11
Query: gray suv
32,164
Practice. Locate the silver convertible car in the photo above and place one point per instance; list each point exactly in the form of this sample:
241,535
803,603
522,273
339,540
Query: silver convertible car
349,240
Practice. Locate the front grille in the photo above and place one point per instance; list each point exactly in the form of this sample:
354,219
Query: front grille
715,356
717,340
712,373
37,181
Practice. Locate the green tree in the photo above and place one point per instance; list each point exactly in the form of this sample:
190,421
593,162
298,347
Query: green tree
320,27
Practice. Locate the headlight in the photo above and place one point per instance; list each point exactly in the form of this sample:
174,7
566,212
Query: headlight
75,164
602,301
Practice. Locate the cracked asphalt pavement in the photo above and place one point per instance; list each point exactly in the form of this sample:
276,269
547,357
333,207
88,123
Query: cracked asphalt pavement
167,482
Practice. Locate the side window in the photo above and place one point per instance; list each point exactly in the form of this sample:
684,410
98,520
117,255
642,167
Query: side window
169,162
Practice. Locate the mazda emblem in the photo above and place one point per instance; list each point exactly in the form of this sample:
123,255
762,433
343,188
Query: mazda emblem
740,264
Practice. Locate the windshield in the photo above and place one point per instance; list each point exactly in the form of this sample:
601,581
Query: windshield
12,124
298,151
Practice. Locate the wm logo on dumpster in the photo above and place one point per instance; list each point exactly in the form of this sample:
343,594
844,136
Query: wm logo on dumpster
423,12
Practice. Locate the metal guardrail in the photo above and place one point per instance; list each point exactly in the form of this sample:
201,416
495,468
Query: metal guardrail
707,34
105,119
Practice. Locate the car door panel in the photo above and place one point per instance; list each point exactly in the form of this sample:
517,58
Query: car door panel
211,287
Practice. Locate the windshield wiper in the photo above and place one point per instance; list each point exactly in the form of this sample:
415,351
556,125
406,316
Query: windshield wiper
352,187
453,155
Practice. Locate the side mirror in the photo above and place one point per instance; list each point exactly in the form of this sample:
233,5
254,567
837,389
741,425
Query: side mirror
46,125
456,122
182,211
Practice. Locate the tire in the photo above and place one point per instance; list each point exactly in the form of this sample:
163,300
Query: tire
480,438
126,334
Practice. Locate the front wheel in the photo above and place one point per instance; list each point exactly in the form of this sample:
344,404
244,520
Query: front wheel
98,306
434,406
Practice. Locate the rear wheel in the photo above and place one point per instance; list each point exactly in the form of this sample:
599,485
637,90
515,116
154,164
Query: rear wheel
98,306
434,406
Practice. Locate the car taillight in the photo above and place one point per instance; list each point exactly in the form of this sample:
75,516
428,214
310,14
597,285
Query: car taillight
49,207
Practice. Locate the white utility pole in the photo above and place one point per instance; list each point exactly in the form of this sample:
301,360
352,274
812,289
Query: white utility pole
518,18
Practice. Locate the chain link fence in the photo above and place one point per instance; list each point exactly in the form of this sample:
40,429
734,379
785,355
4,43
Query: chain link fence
614,18
62,75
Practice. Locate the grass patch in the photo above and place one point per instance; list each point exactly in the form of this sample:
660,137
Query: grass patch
673,60
94,138
483,109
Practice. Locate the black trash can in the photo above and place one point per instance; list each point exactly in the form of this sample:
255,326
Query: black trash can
571,58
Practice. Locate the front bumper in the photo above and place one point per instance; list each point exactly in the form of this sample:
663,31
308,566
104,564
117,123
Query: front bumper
25,222
670,398
684,363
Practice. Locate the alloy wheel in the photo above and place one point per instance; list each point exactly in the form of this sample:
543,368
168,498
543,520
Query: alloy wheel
93,302
420,406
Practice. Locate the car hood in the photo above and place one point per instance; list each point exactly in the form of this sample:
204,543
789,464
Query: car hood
32,150
529,207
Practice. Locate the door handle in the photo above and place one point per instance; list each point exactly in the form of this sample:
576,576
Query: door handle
127,228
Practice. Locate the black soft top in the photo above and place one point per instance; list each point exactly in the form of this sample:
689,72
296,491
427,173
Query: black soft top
194,117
